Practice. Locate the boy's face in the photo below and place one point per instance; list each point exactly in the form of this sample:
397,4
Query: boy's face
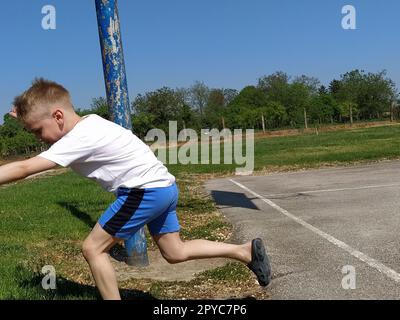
47,129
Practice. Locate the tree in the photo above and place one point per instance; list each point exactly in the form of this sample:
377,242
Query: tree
229,95
313,84
298,103
11,127
275,87
334,87
98,106
250,106
370,94
214,109
251,97
348,110
323,108
142,123
163,105
377,95
322,90
347,93
199,94
274,114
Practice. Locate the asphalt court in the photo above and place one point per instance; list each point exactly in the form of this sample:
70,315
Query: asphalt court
321,225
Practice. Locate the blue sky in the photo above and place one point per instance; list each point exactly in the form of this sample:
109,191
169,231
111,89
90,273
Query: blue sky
224,43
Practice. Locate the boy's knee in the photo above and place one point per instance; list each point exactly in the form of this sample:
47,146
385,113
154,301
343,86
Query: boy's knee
88,249
174,257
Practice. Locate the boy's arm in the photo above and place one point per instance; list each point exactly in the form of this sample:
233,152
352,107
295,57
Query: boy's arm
22,169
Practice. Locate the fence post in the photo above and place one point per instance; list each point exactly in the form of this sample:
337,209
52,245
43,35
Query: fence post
118,98
263,122
392,107
305,119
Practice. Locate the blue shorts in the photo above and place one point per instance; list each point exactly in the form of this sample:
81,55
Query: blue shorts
135,208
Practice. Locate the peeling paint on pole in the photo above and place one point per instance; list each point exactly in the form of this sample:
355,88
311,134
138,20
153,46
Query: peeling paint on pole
113,62
118,98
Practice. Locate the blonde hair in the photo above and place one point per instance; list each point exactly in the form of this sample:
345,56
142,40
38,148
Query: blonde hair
40,97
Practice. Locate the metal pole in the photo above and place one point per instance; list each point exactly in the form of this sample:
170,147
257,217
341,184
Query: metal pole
118,98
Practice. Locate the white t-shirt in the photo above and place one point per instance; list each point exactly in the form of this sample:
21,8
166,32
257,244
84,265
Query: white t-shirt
109,154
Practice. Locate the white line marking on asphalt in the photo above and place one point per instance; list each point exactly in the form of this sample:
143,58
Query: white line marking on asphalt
333,190
355,253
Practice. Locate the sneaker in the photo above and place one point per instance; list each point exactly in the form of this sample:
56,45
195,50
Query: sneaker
260,263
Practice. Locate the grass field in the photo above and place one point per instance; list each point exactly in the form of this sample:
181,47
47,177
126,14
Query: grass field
44,220
312,150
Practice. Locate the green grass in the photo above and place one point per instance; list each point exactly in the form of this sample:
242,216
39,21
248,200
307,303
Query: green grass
231,275
329,147
311,150
43,214
231,272
204,231
44,221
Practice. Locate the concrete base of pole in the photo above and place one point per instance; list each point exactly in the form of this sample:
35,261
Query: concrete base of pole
136,250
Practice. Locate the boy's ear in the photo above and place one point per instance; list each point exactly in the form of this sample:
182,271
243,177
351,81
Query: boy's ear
58,114
13,112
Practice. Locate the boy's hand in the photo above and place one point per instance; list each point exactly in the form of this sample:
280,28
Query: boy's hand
22,169
13,113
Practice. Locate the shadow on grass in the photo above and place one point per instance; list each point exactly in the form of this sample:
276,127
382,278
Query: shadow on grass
83,216
117,252
30,287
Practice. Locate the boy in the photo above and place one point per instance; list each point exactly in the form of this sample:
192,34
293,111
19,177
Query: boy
121,163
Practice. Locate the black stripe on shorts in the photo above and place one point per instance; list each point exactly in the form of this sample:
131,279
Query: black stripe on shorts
128,209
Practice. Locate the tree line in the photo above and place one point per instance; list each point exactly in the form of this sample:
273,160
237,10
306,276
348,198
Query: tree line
276,101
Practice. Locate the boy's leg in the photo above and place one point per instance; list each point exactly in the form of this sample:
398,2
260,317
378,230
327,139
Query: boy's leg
252,253
174,250
95,250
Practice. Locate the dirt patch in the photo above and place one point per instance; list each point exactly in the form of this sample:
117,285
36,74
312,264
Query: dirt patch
159,269
316,130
